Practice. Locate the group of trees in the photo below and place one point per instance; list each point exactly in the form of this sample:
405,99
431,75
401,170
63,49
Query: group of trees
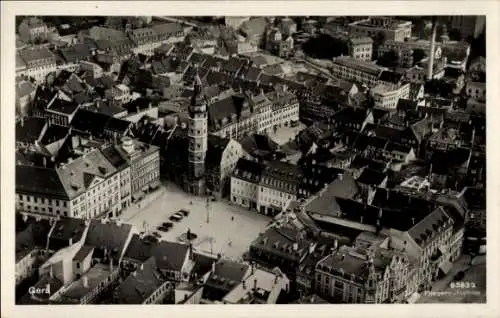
440,87
325,47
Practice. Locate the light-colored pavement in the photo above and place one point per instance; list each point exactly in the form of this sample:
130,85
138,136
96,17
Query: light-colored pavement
221,234
475,279
283,134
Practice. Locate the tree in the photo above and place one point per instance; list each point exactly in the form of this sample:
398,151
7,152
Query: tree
455,35
418,55
325,47
389,59
439,87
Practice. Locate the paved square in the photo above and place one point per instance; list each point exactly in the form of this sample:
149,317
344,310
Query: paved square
283,134
222,235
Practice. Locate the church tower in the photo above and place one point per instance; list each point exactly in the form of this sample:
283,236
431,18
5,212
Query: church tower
197,132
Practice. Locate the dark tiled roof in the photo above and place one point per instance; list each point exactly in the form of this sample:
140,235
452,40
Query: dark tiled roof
214,78
30,129
430,226
228,274
114,157
282,176
54,133
35,235
406,105
342,187
233,65
444,161
397,147
258,144
92,122
63,106
253,74
76,52
32,179
350,115
83,253
139,249
140,285
64,230
203,263
170,255
248,170
391,77
475,198
279,241
383,131
110,236
371,177
216,147
224,109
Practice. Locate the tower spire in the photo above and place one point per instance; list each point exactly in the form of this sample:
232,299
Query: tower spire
198,129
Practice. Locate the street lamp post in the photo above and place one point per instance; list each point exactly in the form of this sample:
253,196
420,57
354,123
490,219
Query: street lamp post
207,206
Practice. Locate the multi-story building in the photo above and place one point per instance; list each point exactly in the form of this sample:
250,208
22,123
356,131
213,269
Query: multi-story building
31,248
385,97
266,189
469,25
109,34
85,187
144,162
405,50
123,168
39,63
222,156
392,29
361,48
144,286
240,115
280,247
145,39
269,188
418,74
350,69
32,29
357,275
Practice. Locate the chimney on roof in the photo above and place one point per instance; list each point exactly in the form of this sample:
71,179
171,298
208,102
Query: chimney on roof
342,257
255,284
311,248
142,266
252,268
85,281
295,246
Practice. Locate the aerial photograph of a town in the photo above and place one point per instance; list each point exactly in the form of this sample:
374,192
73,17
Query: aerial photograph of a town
250,160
